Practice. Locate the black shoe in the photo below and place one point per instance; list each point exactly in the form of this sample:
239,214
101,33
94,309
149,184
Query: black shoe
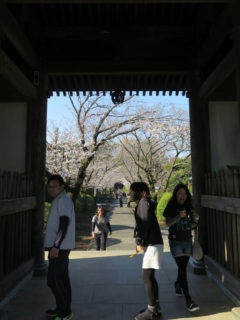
148,315
178,289
192,306
158,309
51,313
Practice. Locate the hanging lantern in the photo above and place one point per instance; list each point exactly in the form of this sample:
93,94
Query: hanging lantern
118,96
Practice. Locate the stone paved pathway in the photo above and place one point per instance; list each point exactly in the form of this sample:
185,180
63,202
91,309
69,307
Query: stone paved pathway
108,286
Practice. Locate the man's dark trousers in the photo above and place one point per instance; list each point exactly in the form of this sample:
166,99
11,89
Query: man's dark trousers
59,282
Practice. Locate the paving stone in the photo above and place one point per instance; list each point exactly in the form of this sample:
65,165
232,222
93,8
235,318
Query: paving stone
107,285
235,314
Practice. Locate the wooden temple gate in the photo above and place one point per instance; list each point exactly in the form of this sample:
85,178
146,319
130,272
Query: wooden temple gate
16,204
222,204
189,47
223,218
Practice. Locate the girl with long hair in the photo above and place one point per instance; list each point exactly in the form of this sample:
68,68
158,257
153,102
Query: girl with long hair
181,218
149,239
100,228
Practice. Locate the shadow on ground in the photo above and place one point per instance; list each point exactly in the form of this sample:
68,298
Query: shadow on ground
120,227
108,285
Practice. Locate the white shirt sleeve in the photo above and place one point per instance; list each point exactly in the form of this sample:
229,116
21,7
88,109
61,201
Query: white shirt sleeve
65,207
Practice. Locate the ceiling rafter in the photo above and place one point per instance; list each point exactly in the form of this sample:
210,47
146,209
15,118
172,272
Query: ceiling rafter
221,72
179,84
82,67
156,55
128,34
165,86
53,15
54,84
14,32
44,15
75,84
116,1
220,29
10,71
62,15
100,82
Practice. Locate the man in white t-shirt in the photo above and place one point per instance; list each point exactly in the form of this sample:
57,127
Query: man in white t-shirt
59,240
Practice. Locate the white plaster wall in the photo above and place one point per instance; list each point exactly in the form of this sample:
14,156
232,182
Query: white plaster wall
13,125
224,118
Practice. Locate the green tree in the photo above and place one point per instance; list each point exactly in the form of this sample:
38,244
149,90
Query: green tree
179,170
162,205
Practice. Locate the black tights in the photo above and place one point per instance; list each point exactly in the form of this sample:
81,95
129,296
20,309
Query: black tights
148,276
182,274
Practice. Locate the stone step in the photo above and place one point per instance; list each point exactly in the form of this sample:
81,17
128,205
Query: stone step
235,313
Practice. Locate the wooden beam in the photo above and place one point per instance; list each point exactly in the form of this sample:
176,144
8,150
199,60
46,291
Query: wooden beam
217,34
236,44
116,1
175,66
12,206
217,77
122,81
108,33
10,72
225,204
13,31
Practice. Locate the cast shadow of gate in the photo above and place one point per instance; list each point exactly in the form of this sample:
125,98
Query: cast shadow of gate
108,285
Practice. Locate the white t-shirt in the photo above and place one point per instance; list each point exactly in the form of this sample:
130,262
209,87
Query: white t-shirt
62,205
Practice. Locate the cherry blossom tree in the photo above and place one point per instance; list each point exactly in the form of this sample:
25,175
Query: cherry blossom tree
146,153
96,123
64,153
162,138
99,173
124,143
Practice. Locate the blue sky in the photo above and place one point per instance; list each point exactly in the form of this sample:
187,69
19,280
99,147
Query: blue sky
59,107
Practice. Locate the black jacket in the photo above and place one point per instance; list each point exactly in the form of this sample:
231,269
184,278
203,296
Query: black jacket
147,230
179,228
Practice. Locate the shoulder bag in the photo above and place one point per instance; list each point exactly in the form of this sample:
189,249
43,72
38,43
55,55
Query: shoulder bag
197,252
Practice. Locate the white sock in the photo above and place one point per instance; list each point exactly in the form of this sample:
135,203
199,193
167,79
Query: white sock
151,308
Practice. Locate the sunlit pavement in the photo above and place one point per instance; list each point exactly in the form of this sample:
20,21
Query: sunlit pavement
107,285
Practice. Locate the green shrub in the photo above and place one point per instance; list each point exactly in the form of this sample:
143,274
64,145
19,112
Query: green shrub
190,189
90,200
84,202
46,212
125,189
162,205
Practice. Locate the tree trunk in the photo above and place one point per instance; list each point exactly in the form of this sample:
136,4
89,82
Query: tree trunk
80,177
150,181
170,174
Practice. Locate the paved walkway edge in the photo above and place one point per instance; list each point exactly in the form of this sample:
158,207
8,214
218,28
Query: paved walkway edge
15,290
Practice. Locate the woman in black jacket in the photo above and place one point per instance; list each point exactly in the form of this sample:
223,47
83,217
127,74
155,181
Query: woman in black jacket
149,239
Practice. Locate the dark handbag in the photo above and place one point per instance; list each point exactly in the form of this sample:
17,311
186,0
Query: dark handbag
197,252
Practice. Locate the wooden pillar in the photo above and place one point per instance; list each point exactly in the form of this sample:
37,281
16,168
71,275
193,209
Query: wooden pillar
236,42
200,148
37,149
